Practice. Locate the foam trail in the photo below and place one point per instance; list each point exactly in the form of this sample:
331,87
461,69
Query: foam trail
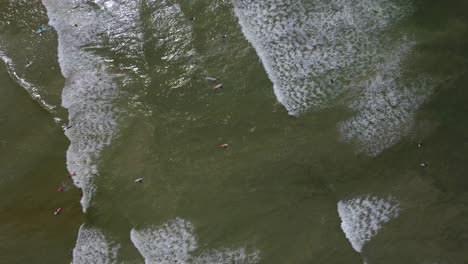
92,247
362,217
315,51
175,242
91,91
21,47
32,90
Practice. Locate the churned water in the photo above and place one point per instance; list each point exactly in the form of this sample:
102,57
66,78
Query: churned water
263,131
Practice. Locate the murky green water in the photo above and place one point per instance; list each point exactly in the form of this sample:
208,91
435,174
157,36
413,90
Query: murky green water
275,189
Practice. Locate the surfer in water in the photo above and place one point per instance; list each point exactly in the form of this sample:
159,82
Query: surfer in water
139,180
58,211
224,146
217,87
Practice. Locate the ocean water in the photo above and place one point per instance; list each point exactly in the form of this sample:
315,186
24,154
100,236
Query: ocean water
329,109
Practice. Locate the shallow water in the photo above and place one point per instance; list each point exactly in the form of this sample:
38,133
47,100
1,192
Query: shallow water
339,181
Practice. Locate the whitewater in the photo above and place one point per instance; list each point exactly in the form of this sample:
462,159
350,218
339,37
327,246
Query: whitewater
320,54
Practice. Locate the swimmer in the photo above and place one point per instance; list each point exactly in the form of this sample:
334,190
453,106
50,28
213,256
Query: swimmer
60,189
423,164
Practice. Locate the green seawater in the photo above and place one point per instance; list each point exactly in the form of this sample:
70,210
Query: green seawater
275,189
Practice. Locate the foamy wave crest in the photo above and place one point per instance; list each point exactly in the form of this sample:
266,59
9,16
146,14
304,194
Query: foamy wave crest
86,29
314,52
362,217
305,44
386,109
175,242
92,247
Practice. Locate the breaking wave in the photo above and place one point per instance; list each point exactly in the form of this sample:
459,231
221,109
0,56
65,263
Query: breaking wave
92,247
89,31
362,217
175,242
317,52
385,110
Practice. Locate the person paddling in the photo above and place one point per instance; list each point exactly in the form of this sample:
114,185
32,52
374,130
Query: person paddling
217,87
224,146
139,180
58,211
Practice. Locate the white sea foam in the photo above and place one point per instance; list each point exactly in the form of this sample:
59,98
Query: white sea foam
92,247
362,217
86,28
315,51
175,242
228,256
169,243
